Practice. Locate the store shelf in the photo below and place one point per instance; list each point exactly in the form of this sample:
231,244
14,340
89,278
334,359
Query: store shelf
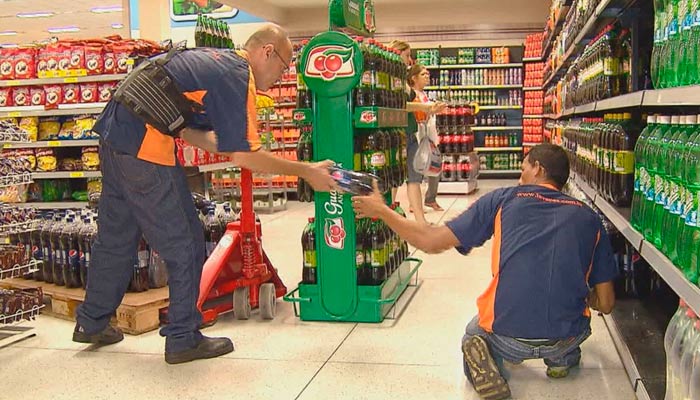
53,81
496,128
13,180
475,66
289,104
19,316
532,59
533,88
17,227
578,43
499,171
281,146
682,96
464,187
66,175
378,117
52,143
40,111
19,271
492,149
59,205
216,167
479,87
534,116
558,25
627,100
531,144
500,107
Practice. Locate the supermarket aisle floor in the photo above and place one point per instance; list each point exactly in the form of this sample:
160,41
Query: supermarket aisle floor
416,356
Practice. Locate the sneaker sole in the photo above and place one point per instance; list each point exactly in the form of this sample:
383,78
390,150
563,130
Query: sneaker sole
194,354
486,377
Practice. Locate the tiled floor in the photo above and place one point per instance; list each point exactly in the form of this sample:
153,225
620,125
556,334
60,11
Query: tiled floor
416,356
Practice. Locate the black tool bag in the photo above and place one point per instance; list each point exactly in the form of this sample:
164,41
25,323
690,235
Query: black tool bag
152,94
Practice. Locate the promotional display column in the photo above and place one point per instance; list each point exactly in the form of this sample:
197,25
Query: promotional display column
348,253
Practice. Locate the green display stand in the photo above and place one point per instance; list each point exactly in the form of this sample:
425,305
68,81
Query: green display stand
332,66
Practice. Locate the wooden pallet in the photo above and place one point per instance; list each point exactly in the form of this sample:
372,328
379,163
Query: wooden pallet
138,313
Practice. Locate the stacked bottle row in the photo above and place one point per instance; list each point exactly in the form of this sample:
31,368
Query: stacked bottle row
500,161
457,168
675,54
602,152
479,77
603,70
212,33
378,251
305,153
453,127
501,140
483,97
491,119
666,188
682,346
382,152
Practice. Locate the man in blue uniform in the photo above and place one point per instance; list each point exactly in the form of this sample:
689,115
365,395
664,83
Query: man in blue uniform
551,261
145,192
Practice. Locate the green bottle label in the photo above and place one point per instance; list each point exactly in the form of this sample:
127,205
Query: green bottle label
357,162
376,159
378,259
673,196
624,162
367,79
359,258
309,259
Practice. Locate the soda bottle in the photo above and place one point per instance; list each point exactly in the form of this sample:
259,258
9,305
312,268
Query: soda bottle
303,94
199,32
157,271
693,340
678,320
360,251
140,279
640,179
46,251
677,201
36,247
386,145
678,347
308,245
657,63
694,379
213,232
58,255
685,22
658,177
378,261
68,244
693,53
87,238
672,50
374,156
363,89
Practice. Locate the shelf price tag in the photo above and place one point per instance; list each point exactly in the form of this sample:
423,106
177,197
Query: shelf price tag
77,175
70,80
14,114
14,82
54,143
7,146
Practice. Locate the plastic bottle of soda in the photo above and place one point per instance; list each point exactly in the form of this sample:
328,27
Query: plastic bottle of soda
363,89
213,232
678,320
360,251
308,245
65,237
374,156
654,198
140,279
688,238
640,179
678,347
693,53
36,248
58,255
662,179
87,238
686,362
47,252
678,187
378,264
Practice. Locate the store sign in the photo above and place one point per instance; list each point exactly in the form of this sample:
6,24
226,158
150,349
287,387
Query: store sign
187,10
353,15
332,64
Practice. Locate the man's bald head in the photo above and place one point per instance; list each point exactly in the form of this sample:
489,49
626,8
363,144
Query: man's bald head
270,54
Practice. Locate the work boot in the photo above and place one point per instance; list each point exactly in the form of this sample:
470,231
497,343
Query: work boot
207,348
109,335
485,375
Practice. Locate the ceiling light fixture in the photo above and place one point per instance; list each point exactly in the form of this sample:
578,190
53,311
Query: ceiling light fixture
117,26
8,45
64,29
40,14
8,33
108,9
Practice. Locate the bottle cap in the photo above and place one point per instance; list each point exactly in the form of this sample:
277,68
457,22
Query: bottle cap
690,313
312,219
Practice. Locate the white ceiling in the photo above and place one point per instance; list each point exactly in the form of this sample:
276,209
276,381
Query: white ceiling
67,13
414,19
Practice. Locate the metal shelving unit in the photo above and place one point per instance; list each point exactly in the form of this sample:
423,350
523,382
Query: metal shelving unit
475,66
66,175
499,171
496,128
53,81
58,205
500,107
494,149
477,87
52,143
40,111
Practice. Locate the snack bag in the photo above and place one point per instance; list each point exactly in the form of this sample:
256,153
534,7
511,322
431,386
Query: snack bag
94,59
91,159
6,97
83,127
49,128
46,160
31,125
88,92
67,130
71,93
54,95
25,63
20,96
37,96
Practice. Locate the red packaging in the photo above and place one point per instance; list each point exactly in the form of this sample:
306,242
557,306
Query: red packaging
42,64
77,56
94,60
7,64
38,96
63,55
6,97
54,95
71,93
110,63
104,91
88,92
25,63
20,96
121,55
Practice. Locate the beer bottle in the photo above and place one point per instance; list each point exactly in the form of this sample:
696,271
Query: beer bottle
199,32
308,244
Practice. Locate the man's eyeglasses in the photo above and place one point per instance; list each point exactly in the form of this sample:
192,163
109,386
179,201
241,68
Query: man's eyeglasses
286,64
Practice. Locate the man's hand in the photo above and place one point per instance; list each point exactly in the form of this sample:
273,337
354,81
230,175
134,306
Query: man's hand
437,107
369,206
318,177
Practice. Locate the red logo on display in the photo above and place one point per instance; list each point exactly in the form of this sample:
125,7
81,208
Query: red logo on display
299,116
368,117
330,62
334,233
